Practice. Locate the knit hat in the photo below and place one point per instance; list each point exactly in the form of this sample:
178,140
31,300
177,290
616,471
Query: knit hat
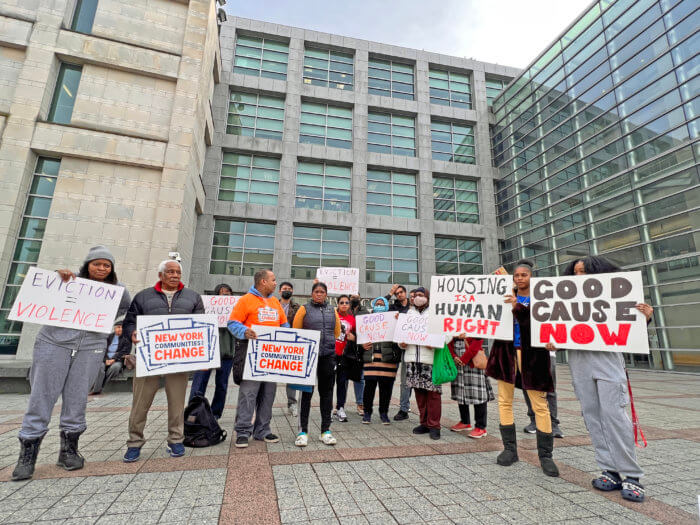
99,252
422,290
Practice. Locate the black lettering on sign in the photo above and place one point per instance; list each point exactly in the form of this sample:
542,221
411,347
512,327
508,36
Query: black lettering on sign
592,288
566,289
540,293
622,311
599,316
620,287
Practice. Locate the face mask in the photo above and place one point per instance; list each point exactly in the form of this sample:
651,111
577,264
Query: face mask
420,301
381,308
354,303
287,294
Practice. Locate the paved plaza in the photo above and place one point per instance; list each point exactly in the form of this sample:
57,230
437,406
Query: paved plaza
375,474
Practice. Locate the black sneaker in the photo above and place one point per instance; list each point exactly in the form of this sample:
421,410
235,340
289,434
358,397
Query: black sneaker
531,428
556,431
401,416
271,438
420,429
435,433
241,442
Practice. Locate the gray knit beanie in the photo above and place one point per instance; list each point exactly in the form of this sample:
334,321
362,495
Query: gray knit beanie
99,252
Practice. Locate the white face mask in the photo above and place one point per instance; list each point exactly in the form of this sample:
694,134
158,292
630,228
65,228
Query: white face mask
420,301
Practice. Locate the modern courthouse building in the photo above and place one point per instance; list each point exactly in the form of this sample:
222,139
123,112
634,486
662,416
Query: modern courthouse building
124,123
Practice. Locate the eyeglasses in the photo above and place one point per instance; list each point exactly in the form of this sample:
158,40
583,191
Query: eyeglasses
344,302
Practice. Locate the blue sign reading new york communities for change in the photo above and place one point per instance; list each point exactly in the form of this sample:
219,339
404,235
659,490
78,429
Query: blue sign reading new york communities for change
283,354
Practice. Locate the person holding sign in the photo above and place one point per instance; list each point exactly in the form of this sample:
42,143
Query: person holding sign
290,307
64,363
516,363
419,375
600,383
317,314
257,307
201,377
346,365
401,304
168,296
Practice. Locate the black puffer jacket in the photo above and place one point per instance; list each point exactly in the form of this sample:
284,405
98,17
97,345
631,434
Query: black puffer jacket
152,301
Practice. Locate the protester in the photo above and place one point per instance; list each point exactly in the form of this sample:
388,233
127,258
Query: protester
200,379
111,367
600,384
317,314
290,308
64,362
471,386
257,307
358,386
346,337
551,404
419,375
401,304
516,363
381,363
169,296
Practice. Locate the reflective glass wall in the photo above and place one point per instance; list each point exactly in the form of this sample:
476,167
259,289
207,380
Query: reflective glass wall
596,144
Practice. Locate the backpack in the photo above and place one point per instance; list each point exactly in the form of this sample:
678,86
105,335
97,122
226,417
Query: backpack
201,427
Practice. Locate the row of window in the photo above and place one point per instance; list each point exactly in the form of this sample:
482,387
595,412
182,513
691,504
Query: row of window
324,186
243,247
268,57
262,116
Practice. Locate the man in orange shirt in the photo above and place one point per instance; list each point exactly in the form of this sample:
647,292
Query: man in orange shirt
257,307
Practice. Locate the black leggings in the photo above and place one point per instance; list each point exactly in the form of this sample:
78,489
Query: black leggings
479,415
325,372
386,385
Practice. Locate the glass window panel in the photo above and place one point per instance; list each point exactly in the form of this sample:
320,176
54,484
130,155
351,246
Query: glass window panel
65,92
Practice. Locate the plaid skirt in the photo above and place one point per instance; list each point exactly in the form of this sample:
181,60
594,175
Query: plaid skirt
471,386
419,375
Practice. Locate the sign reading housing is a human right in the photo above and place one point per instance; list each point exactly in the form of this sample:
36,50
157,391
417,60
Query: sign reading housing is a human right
589,312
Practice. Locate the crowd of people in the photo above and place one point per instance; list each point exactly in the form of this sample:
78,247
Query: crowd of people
72,363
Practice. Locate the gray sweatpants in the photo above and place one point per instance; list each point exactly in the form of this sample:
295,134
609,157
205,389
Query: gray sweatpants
291,396
254,397
56,373
600,384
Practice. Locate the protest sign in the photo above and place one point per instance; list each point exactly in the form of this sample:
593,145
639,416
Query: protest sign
83,304
282,355
412,329
589,312
221,306
471,304
375,328
340,280
176,343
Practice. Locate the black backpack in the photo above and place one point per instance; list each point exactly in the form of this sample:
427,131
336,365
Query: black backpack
201,427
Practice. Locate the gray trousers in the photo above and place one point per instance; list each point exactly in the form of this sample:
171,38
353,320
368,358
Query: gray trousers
291,396
105,374
600,384
254,398
405,399
56,373
551,397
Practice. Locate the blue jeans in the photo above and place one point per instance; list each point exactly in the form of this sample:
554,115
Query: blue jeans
199,386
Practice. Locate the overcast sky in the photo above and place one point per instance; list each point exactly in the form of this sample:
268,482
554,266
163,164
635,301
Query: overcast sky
508,32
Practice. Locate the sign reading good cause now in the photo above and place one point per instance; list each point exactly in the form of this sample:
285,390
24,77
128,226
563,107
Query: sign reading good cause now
83,304
375,328
220,306
471,304
282,355
340,280
412,329
176,343
589,312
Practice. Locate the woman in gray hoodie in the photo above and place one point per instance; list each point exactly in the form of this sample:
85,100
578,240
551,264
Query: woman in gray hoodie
65,360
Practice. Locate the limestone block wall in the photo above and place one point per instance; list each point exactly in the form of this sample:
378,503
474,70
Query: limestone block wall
11,61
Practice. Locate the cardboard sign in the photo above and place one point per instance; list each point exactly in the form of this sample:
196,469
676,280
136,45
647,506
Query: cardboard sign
282,355
412,329
589,312
220,306
340,280
83,304
471,304
176,343
375,328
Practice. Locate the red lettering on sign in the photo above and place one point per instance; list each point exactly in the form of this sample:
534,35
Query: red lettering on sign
612,338
548,330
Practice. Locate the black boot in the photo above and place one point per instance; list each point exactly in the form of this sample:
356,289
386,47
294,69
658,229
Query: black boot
545,445
68,457
27,459
510,447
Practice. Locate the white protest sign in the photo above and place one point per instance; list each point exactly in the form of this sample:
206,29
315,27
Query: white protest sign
375,328
471,304
176,343
220,306
412,329
340,280
83,304
282,355
589,312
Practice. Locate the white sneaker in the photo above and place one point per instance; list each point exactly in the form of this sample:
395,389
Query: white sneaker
327,438
293,410
302,439
342,416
